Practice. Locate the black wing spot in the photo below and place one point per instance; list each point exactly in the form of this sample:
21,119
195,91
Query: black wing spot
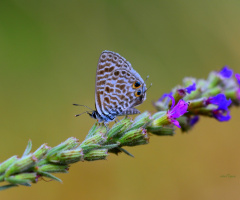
116,73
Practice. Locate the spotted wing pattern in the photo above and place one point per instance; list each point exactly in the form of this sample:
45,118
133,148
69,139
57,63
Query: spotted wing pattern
114,94
119,95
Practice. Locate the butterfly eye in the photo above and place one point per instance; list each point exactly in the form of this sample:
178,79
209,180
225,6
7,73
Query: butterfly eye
138,93
136,85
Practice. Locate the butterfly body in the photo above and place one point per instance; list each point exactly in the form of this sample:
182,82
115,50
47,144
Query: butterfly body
119,88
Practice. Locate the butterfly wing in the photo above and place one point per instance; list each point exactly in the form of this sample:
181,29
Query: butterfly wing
108,62
130,111
119,96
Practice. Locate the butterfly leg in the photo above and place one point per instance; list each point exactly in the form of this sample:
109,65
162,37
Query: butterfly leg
107,126
117,121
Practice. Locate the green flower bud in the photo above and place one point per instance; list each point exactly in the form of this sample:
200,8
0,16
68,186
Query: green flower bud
97,129
134,137
52,168
198,103
205,111
212,92
200,85
95,140
177,95
68,156
41,151
2,177
96,154
213,80
21,165
141,121
23,179
119,128
159,114
187,81
160,121
162,131
70,143
232,94
90,147
7,163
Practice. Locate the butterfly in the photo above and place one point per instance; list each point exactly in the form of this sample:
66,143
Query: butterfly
118,89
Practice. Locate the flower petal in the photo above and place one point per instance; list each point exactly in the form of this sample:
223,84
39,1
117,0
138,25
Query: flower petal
178,110
191,88
226,72
222,116
238,94
220,100
193,120
238,78
176,123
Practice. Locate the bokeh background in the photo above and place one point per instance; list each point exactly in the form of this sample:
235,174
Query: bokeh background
48,58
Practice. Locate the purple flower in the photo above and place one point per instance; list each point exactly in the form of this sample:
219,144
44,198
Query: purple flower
193,120
173,101
238,90
222,115
177,111
164,96
238,78
238,94
183,91
191,88
226,72
220,100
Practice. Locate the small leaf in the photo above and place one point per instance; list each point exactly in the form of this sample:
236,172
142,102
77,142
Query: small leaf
48,175
4,187
126,152
92,131
28,148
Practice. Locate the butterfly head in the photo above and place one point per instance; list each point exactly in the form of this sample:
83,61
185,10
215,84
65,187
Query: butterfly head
140,92
93,114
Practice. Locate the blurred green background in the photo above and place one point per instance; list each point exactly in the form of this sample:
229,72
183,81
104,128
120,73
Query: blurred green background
48,58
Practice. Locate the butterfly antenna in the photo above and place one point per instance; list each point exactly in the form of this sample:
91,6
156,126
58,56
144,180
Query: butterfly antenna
83,106
148,87
145,82
146,79
81,114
